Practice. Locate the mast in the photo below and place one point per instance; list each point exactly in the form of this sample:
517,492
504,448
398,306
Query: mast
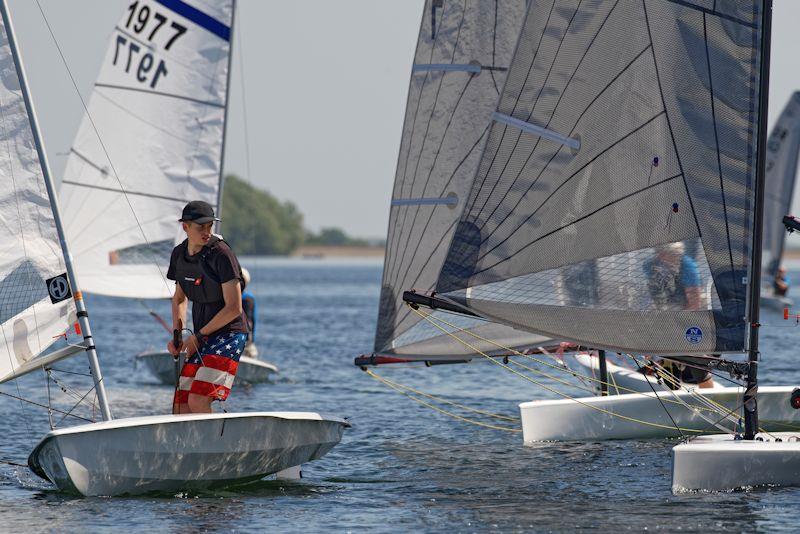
83,315
750,400
225,119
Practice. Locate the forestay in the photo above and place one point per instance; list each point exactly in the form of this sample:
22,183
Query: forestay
35,298
783,148
461,61
624,139
158,109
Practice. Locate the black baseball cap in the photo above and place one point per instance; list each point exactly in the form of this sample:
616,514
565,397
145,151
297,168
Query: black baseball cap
198,212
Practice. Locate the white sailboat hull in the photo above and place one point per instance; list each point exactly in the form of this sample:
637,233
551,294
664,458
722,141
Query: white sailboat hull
719,462
171,453
250,370
581,419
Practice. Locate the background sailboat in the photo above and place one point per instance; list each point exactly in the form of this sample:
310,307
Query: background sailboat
783,150
153,138
124,456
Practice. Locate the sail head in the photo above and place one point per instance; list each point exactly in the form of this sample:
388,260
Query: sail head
613,203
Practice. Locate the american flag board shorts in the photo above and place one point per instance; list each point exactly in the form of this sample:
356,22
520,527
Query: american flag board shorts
211,370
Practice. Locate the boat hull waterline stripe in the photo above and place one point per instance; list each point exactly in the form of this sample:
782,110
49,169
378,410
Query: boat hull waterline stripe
198,17
447,201
536,130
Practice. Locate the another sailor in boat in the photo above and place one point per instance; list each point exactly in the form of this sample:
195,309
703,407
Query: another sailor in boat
781,282
674,282
206,272
249,307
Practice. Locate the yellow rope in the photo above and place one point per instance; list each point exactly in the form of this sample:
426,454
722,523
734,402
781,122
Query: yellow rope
436,408
432,320
446,401
548,388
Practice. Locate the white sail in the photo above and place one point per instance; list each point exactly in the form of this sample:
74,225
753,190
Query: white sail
35,303
151,141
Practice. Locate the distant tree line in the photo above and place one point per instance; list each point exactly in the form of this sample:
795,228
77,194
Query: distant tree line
255,222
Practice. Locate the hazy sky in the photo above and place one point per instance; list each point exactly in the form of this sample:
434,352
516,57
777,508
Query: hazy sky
325,84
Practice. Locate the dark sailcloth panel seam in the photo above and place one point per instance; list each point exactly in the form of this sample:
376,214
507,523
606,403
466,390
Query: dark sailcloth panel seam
474,198
716,141
580,117
570,177
555,110
430,173
533,107
669,123
430,217
397,236
582,218
394,266
714,12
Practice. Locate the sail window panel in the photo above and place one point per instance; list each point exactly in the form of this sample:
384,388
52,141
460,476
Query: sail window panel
622,331
446,125
626,281
447,67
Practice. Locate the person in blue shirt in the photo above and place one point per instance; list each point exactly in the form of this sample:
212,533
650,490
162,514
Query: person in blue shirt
249,308
781,282
674,282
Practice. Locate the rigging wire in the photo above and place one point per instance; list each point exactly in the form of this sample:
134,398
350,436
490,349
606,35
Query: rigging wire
430,318
440,410
240,54
447,401
549,388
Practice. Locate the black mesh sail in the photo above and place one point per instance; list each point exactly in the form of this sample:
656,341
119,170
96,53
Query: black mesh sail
462,57
783,147
613,203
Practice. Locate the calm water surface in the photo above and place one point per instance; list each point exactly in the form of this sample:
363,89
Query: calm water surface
401,466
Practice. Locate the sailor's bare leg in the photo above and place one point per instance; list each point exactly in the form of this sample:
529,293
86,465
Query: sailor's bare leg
199,403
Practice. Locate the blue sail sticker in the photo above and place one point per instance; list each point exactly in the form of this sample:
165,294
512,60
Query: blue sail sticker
694,335
198,17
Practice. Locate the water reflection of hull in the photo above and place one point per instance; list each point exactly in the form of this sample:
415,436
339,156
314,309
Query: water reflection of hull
170,453
250,370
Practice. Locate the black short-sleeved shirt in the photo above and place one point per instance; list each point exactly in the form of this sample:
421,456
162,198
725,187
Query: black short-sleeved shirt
185,269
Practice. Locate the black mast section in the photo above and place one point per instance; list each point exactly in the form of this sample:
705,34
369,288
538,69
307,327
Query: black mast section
750,401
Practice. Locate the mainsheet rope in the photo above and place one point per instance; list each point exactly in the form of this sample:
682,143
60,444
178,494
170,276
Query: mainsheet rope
432,320
440,410
536,382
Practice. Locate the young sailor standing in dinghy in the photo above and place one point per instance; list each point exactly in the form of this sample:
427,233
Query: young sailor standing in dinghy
207,273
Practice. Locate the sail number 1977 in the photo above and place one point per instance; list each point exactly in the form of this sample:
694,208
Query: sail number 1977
147,25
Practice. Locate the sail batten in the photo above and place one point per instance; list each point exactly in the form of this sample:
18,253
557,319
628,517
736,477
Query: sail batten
637,236
152,140
459,67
